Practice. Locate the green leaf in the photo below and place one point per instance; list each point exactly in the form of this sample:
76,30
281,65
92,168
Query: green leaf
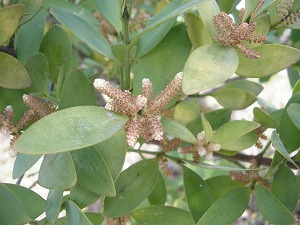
196,30
53,205
272,60
293,112
207,11
74,215
84,30
38,69
69,129
250,5
286,194
220,185
12,210
247,85
56,46
233,130
92,172
175,47
177,130
174,13
10,17
229,207
241,143
30,35
159,194
218,117
148,41
77,90
82,196
111,10
207,67
271,208
165,215
31,9
228,6
278,145
13,74
209,133
197,193
234,98
23,163
57,171
133,186
263,118
33,203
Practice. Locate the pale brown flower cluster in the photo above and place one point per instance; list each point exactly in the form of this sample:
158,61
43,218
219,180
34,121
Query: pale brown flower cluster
143,110
37,110
284,12
231,35
124,220
200,149
261,136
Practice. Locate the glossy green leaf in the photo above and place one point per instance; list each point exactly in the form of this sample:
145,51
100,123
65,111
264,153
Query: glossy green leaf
148,41
31,9
159,193
263,118
92,171
233,130
176,48
230,207
30,35
12,210
247,85
77,90
165,215
13,73
293,112
38,69
53,205
174,13
285,187
218,117
23,163
220,185
188,114
234,98
84,30
74,215
133,186
111,10
70,129
197,193
56,46
272,60
177,130
57,171
250,5
207,11
10,17
271,208
207,67
241,143
82,196
209,133
278,145
33,203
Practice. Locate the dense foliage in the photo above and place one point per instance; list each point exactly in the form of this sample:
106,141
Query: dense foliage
82,83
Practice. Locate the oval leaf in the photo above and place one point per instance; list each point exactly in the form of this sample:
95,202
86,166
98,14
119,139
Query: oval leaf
13,73
293,112
241,143
271,208
263,118
53,206
229,207
133,186
207,67
23,163
272,60
209,133
10,17
57,171
31,9
82,196
165,215
70,129
177,130
74,215
159,194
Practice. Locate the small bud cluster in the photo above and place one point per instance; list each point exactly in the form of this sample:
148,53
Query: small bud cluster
163,163
261,136
105,27
124,220
144,112
37,110
200,149
231,35
170,145
285,14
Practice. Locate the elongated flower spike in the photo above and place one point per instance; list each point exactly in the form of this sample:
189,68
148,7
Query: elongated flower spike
143,110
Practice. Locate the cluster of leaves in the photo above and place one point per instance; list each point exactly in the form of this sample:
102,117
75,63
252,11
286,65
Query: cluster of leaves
83,146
